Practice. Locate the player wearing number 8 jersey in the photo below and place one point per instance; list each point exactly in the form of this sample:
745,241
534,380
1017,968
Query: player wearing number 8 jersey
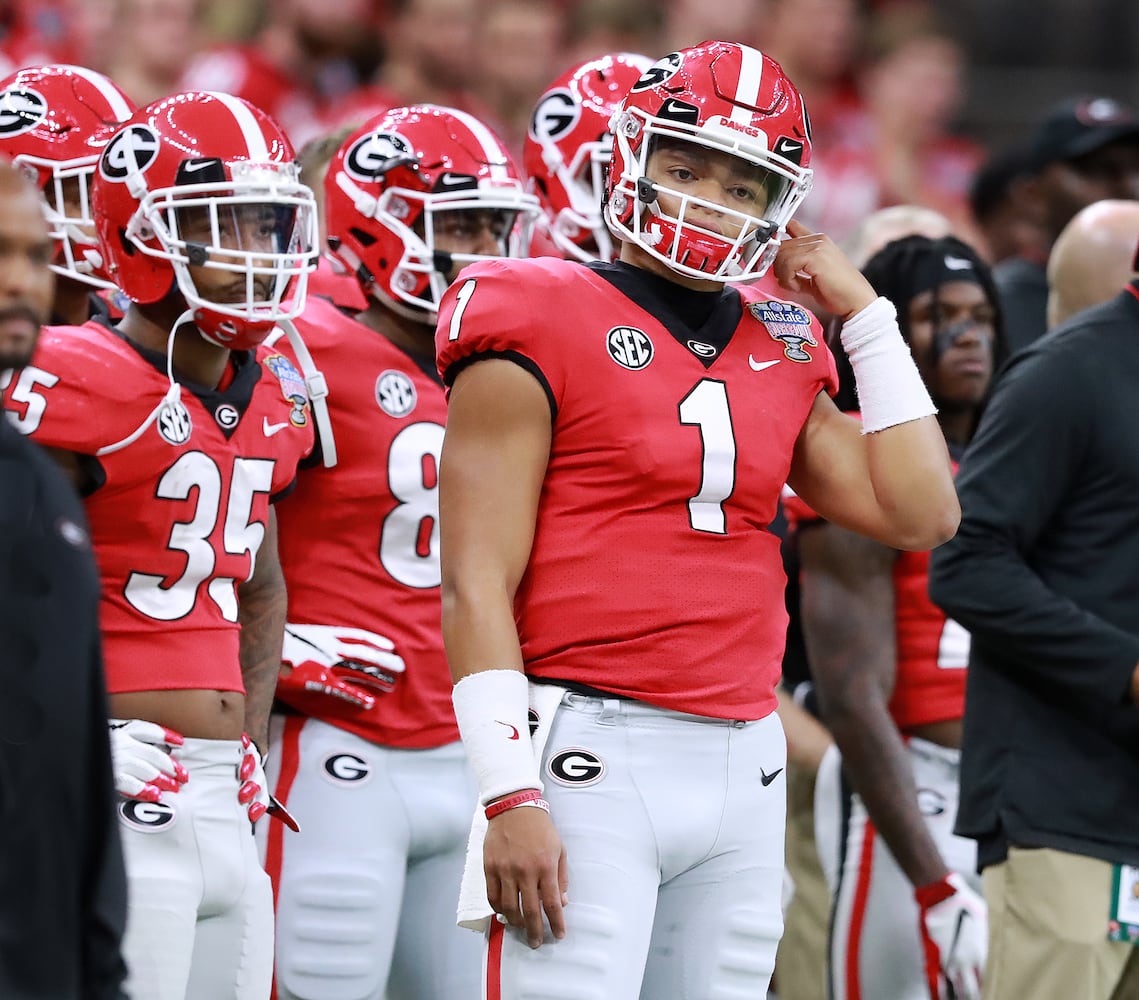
370,756
617,438
181,429
889,668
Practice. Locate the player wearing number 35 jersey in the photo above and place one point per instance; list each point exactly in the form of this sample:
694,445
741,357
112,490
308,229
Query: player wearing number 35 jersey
617,438
370,754
181,429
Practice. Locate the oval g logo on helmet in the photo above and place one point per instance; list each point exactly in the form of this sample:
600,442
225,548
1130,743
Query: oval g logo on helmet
556,114
21,110
148,817
132,150
371,155
346,767
658,72
576,766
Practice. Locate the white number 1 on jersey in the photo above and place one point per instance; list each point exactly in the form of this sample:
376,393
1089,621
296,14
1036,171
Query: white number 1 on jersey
706,407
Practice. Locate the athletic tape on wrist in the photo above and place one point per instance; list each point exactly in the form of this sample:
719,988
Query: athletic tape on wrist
890,388
492,708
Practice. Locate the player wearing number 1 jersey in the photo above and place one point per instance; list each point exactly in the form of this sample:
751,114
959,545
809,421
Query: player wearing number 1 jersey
181,429
369,756
889,669
617,439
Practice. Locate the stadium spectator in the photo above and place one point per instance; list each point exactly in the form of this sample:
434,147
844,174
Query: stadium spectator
1044,573
1083,150
1093,258
1002,213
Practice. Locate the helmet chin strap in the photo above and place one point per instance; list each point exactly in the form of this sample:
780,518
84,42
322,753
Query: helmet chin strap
172,398
317,388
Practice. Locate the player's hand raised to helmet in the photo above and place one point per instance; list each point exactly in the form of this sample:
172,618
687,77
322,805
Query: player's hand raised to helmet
811,262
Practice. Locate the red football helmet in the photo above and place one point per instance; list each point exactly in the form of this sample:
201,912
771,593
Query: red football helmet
568,147
728,99
206,181
388,184
54,120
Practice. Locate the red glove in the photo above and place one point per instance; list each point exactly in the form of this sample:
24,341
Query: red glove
954,927
254,788
349,665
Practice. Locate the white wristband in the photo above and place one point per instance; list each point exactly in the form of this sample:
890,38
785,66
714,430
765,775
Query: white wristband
492,708
890,388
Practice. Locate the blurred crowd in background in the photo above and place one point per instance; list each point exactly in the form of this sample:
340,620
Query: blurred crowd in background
909,98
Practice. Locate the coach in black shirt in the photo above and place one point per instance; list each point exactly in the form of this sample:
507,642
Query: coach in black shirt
1044,572
62,887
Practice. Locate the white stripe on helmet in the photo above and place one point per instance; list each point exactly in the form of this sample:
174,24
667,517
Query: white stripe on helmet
747,90
250,127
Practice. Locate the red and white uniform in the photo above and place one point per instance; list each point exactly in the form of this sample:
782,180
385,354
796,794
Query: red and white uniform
663,476
359,545
875,948
177,517
653,577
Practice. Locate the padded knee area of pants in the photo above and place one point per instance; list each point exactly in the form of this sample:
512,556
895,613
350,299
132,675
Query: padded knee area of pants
579,968
331,947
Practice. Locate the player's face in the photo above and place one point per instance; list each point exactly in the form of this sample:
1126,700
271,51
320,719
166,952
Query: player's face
250,229
712,176
952,342
26,282
472,231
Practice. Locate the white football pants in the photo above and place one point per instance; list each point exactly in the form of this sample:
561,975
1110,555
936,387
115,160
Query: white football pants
200,906
875,942
673,827
366,892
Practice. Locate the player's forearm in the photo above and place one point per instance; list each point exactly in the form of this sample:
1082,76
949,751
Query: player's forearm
876,761
262,608
479,631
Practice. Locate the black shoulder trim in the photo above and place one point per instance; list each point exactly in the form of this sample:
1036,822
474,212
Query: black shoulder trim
519,359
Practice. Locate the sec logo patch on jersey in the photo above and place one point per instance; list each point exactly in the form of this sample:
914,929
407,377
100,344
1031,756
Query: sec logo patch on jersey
395,393
629,347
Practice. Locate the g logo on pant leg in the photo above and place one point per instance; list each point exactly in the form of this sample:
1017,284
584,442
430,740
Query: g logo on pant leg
576,766
146,817
346,768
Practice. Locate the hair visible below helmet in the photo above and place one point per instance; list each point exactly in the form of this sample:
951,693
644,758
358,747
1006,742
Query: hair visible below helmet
387,185
723,98
905,268
568,147
181,185
54,120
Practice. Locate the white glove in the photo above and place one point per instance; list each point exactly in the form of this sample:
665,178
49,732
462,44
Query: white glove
955,935
349,664
141,761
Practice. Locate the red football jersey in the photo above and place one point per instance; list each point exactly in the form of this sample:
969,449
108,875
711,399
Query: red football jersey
931,651
179,513
653,573
360,542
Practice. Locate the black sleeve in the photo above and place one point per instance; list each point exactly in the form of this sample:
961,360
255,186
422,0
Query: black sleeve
1023,464
105,894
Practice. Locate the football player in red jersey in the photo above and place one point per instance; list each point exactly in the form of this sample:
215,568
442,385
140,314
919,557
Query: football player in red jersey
370,755
567,151
181,429
889,669
618,435
54,120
